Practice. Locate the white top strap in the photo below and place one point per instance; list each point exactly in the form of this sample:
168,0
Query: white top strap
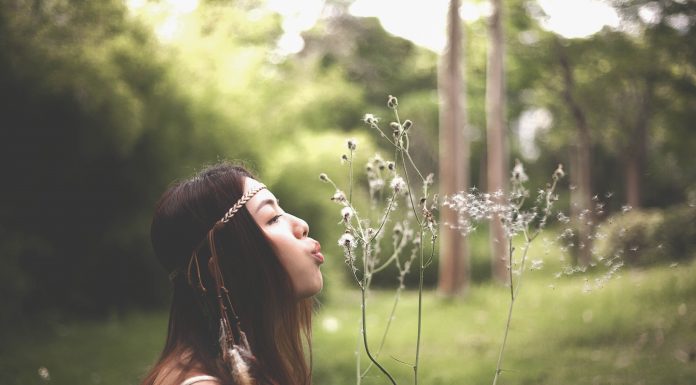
193,380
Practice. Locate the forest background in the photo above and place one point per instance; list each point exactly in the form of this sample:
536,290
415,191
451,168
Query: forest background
100,112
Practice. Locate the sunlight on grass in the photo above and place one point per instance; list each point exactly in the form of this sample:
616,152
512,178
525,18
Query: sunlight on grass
637,329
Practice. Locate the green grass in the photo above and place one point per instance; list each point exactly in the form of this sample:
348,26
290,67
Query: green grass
639,329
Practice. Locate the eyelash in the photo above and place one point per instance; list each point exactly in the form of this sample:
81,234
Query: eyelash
275,219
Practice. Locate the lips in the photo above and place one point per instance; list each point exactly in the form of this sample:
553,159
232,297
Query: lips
316,253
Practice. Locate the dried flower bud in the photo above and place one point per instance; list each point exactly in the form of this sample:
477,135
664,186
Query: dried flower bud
323,177
392,102
352,144
344,158
407,124
559,173
368,167
391,166
430,179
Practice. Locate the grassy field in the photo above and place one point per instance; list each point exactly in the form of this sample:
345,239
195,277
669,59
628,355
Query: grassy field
639,329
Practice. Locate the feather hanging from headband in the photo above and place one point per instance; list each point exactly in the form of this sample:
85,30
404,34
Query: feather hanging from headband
236,352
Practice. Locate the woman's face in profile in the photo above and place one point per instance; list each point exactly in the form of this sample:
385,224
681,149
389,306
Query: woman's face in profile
288,236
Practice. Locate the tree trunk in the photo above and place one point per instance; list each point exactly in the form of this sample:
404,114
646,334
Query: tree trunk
581,196
637,152
454,157
495,127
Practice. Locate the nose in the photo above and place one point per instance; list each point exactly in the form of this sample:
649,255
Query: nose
300,228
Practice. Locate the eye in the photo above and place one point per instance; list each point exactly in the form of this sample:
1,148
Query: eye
275,219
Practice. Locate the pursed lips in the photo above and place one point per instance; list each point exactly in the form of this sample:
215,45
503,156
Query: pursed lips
316,253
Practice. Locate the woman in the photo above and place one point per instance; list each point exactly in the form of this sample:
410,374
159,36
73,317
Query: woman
243,272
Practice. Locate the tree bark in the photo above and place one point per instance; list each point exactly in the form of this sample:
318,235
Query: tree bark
581,195
495,128
454,270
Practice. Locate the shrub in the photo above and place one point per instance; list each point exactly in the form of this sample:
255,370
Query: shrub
649,236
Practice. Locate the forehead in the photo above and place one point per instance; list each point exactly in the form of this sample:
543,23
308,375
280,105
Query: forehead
260,198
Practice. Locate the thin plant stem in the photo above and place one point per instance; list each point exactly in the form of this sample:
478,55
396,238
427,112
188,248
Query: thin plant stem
420,309
350,183
386,329
514,292
367,347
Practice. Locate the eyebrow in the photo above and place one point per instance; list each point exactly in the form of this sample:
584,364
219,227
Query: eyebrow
268,201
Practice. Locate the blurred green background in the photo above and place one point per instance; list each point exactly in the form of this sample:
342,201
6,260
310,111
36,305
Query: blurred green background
105,103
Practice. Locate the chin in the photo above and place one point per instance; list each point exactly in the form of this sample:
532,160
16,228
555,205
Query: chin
312,290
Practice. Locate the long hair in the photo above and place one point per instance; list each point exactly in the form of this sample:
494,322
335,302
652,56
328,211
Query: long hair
277,324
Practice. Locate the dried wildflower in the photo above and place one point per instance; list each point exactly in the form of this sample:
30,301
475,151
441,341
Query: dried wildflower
398,185
347,241
376,184
398,229
391,166
559,173
407,124
537,264
44,374
430,179
344,158
323,177
339,197
346,214
392,102
352,144
518,174
370,119
397,131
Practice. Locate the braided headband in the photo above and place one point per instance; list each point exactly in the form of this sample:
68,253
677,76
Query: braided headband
226,218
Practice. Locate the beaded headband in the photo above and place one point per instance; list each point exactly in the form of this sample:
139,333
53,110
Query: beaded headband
228,215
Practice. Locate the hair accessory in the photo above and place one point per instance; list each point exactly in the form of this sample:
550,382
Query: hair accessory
226,218
234,346
241,202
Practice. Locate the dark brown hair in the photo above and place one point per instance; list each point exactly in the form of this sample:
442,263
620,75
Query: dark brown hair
276,323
